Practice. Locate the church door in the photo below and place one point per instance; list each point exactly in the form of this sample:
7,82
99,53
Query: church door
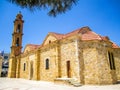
68,69
31,70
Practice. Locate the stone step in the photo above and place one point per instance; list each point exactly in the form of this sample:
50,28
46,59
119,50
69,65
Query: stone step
68,81
74,82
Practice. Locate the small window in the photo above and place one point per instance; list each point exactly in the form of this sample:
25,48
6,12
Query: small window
18,28
111,61
19,17
17,42
47,64
49,41
24,66
109,56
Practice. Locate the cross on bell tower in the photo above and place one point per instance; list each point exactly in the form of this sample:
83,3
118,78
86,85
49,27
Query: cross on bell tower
17,35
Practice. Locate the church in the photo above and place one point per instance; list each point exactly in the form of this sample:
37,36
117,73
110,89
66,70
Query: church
78,57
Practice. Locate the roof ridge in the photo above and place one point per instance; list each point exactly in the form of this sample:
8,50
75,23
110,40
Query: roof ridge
32,45
55,33
69,33
73,31
98,35
114,45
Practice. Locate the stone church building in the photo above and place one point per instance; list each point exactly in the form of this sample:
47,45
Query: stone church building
81,56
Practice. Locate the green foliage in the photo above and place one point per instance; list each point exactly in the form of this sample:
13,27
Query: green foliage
54,7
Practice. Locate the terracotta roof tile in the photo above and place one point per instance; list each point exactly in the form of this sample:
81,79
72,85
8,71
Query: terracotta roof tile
91,36
115,45
33,46
85,32
72,33
57,35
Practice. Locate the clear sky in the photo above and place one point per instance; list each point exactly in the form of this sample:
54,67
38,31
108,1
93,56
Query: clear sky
102,16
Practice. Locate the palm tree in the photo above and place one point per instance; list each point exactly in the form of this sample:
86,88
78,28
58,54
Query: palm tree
54,7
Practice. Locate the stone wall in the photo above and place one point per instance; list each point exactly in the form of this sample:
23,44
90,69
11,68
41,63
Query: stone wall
89,62
18,67
106,75
96,63
31,63
24,73
117,62
25,66
48,52
69,52
12,67
37,65
90,66
49,39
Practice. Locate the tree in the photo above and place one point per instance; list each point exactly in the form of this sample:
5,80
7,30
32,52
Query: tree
54,7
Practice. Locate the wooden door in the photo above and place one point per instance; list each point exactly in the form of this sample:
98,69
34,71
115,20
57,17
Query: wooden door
68,69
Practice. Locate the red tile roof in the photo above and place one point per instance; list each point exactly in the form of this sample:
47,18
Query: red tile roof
57,35
85,32
115,45
32,46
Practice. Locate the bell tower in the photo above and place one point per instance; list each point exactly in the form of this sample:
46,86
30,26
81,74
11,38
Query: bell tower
16,47
17,36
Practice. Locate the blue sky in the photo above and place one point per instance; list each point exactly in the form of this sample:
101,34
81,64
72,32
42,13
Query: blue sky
102,16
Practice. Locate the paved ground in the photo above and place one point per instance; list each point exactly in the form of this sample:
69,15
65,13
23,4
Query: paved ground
22,84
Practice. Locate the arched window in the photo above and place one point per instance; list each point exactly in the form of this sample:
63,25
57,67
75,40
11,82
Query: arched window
24,66
47,64
17,42
18,28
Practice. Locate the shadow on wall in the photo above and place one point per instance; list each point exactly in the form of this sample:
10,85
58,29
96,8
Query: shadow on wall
118,82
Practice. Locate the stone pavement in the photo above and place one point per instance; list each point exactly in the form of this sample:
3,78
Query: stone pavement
22,84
